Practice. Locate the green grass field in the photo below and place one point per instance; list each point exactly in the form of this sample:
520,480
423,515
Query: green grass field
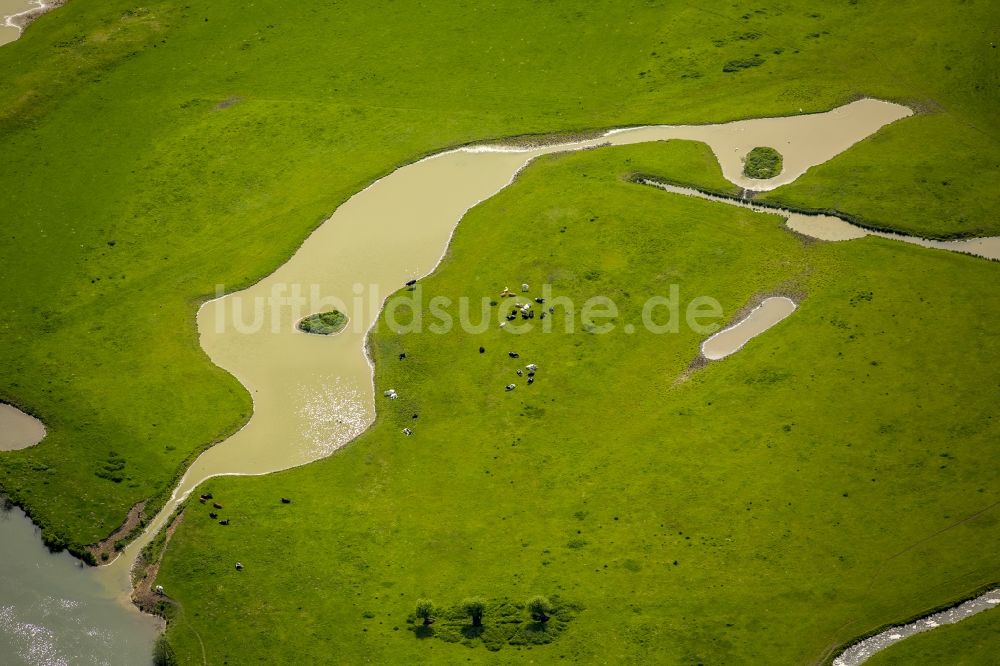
151,154
774,505
972,642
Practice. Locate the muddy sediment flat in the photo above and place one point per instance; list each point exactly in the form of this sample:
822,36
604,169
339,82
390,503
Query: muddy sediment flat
17,429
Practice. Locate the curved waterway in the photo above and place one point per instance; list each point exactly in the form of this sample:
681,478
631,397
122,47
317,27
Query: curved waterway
860,652
313,394
832,228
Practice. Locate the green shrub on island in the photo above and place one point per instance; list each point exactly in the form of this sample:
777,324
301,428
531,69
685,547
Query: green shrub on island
762,162
324,323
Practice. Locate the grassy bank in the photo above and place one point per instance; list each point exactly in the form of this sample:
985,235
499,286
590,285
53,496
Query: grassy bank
819,483
151,154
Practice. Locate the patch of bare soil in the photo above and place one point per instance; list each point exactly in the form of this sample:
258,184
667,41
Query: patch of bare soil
104,551
144,595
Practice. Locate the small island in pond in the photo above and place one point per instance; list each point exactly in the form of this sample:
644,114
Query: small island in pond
324,323
762,162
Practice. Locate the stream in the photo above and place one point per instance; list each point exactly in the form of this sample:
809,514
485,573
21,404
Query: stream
313,394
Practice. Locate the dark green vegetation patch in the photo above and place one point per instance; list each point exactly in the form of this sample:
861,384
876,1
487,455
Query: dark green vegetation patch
762,162
504,623
324,323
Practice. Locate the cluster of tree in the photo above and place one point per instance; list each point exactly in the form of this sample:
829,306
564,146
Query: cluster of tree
539,607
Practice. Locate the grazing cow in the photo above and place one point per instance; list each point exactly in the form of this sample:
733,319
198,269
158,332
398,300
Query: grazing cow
539,300
410,283
519,373
531,373
482,350
532,367
552,310
402,355
506,292
525,287
531,380
511,387
510,317
531,315
224,522
541,316
239,566
285,500
407,432
213,515
513,354
216,505
158,589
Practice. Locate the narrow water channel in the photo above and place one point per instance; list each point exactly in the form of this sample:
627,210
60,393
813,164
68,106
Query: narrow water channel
832,228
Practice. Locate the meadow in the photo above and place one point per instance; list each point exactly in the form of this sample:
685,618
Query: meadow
829,478
152,154
765,509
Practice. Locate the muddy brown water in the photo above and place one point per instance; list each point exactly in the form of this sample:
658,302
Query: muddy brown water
17,429
12,13
730,340
832,228
313,394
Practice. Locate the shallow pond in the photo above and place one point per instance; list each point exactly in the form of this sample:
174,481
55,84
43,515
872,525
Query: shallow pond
17,429
730,340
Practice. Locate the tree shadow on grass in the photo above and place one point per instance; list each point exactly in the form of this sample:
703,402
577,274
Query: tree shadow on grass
423,631
472,632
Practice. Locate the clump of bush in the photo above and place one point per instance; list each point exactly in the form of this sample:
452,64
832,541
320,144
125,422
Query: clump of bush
743,63
324,323
493,623
762,162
